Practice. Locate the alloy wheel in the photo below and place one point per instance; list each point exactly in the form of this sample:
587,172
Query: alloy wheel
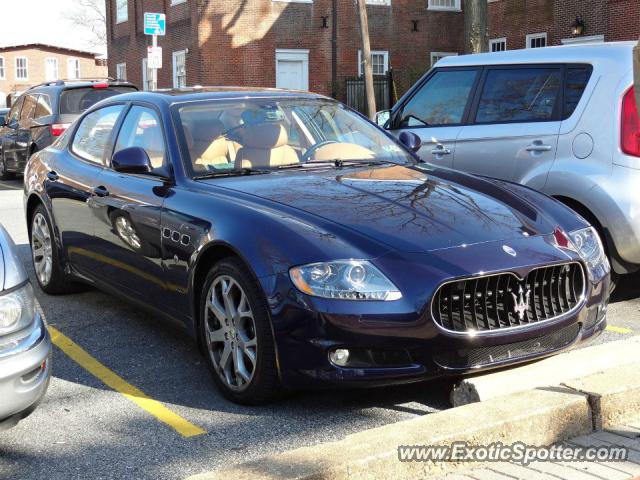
231,333
41,248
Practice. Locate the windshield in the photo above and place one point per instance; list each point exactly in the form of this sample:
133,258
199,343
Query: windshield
77,100
280,133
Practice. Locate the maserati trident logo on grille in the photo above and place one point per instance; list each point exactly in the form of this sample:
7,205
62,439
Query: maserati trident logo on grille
521,302
507,249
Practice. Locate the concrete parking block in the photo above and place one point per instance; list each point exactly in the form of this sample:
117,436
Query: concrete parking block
551,371
535,418
614,395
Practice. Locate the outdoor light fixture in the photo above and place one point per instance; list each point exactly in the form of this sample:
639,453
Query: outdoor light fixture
577,27
415,25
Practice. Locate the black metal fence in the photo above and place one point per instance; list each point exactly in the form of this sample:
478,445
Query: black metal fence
382,86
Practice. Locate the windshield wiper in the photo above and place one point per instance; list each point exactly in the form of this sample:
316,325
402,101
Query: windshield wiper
235,172
337,163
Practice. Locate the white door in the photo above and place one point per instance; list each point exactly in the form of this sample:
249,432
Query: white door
292,69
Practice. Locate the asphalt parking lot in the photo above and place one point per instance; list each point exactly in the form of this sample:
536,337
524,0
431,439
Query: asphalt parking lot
182,426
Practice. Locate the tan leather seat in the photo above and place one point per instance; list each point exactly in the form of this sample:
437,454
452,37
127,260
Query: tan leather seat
265,145
207,144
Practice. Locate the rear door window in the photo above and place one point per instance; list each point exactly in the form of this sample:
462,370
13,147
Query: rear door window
77,100
441,101
576,80
92,136
519,95
43,108
29,107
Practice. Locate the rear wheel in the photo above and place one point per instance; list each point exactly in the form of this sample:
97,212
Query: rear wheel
44,252
235,332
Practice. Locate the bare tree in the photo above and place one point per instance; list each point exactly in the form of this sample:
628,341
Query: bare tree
366,59
476,39
90,15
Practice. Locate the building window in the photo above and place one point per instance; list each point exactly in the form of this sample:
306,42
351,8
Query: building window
180,69
2,72
177,2
436,56
498,45
22,68
122,11
50,69
73,68
378,2
537,40
379,61
448,5
121,71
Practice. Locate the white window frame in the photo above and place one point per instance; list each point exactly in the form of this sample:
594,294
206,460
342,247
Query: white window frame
53,60
122,14
121,67
440,56
382,3
495,41
25,68
533,36
72,72
295,55
175,55
457,7
177,2
583,40
384,53
3,67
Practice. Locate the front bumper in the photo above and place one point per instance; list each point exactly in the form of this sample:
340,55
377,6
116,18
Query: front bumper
25,370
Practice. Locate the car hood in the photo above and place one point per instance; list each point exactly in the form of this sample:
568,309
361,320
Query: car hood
411,209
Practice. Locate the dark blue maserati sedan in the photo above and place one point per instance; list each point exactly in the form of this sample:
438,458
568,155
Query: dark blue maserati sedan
301,245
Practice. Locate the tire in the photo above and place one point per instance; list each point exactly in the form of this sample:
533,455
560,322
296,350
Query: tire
4,175
236,339
45,256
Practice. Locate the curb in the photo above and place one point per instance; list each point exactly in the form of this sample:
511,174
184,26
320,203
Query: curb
542,416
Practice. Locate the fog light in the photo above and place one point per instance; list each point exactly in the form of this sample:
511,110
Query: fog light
339,357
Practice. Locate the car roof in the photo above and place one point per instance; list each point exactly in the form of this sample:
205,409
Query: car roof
579,53
192,94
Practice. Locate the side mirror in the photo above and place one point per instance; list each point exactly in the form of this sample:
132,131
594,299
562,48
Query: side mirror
382,117
131,160
411,141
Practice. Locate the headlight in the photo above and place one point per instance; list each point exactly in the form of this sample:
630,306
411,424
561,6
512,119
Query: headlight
589,246
344,280
17,309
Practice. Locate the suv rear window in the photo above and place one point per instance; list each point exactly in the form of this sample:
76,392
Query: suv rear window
77,100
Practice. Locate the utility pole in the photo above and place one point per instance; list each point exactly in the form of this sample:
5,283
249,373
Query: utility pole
366,59
476,39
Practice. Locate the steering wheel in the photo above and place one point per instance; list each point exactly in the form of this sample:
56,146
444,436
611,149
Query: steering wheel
315,147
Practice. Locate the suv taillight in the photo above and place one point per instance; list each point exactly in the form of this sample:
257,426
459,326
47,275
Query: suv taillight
58,129
630,125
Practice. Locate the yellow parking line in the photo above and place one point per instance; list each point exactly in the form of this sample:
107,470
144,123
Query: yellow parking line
621,330
112,380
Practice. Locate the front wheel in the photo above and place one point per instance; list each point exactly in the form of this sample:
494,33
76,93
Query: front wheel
4,174
236,336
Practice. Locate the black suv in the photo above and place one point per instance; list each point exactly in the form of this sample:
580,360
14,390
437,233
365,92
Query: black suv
43,113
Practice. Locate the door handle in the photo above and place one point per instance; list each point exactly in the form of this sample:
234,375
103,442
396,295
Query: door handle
538,146
52,176
101,191
440,150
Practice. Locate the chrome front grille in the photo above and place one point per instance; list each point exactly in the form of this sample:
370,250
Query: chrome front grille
504,300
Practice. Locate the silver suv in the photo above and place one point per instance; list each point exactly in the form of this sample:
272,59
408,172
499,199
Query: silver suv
25,345
562,120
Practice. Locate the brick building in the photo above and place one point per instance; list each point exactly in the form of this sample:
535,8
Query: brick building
289,43
279,42
22,66
529,23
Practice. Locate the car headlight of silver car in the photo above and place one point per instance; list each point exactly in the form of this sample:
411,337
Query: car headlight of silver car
589,246
17,309
344,280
